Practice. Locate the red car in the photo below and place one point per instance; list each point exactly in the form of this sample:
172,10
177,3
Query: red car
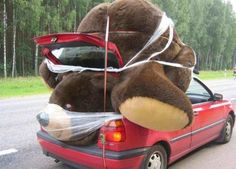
130,146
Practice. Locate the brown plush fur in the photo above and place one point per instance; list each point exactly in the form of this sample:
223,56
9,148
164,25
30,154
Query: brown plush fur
137,19
79,89
48,77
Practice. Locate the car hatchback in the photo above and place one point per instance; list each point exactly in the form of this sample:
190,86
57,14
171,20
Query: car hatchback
123,144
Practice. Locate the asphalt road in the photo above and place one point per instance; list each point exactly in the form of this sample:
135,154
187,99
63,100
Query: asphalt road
19,148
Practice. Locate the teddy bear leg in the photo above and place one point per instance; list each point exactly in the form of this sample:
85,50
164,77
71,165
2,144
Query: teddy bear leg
151,100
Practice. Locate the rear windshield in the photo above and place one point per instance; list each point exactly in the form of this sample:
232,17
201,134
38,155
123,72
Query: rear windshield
85,56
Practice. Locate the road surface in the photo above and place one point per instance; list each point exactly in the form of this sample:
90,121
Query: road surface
19,148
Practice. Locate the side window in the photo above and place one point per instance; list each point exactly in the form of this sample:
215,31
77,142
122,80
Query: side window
197,93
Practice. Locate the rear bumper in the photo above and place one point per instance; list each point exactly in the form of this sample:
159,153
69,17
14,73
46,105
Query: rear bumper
90,156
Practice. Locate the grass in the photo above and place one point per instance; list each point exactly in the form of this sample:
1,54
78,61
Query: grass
215,75
22,86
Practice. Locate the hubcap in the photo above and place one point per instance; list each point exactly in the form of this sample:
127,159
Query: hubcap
154,161
228,129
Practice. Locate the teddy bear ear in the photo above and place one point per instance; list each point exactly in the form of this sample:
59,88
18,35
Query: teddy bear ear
48,76
95,20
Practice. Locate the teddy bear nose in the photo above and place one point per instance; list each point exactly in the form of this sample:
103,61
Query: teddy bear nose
43,119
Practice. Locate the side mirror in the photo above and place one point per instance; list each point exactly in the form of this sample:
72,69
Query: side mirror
218,96
196,71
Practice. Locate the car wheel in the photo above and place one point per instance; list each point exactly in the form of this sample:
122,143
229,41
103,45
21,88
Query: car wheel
226,133
156,158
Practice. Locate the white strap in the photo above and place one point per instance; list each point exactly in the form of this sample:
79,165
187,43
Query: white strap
107,29
65,68
167,45
163,26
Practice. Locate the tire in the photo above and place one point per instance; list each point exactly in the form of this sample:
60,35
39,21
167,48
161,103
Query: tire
227,131
156,158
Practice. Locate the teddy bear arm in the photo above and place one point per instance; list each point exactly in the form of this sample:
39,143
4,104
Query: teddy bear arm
181,77
48,76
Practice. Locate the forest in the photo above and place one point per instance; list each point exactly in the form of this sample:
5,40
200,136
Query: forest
208,26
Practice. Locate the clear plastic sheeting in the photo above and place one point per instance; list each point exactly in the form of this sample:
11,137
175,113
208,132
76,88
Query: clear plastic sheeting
70,126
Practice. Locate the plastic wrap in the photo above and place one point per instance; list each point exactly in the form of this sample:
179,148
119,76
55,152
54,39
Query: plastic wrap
68,126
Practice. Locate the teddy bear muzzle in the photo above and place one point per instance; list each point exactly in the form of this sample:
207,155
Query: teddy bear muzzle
56,122
43,119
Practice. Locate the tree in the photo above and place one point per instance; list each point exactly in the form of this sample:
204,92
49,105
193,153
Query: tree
4,38
208,26
14,46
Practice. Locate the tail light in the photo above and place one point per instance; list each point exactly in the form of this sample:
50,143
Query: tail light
112,131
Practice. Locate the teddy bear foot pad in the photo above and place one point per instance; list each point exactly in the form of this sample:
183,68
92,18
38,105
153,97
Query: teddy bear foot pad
154,114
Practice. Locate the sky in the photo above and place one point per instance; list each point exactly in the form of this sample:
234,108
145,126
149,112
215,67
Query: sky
233,2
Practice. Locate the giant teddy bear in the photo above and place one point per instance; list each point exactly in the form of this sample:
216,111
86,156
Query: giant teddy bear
151,94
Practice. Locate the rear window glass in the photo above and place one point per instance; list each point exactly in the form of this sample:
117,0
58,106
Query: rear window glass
85,56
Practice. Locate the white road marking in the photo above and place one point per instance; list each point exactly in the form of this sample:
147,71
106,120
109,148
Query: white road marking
9,151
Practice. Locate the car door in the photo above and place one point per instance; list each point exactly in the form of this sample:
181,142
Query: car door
180,141
208,114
